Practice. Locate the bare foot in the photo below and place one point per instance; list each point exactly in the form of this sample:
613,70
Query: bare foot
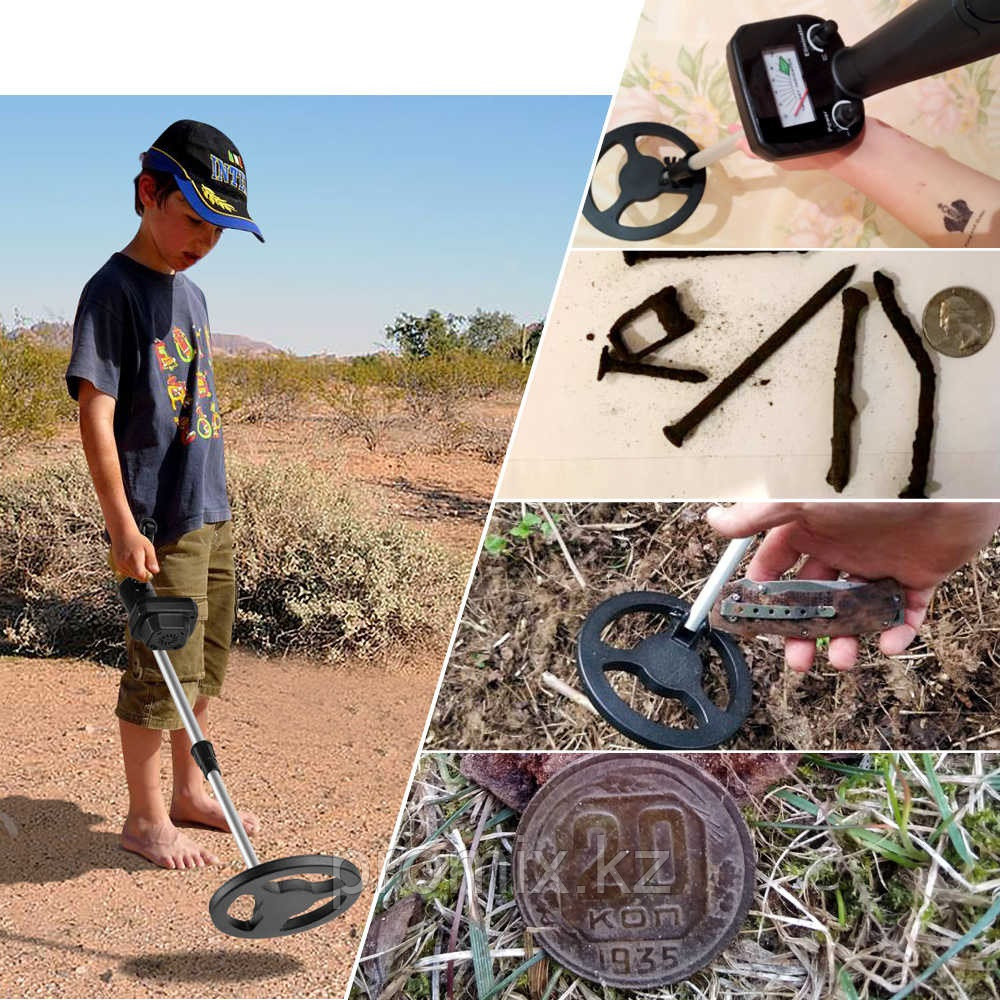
202,810
163,844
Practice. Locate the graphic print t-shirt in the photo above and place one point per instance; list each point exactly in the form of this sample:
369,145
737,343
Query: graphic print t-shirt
142,337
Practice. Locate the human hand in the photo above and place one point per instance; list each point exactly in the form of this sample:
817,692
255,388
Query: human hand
132,554
916,543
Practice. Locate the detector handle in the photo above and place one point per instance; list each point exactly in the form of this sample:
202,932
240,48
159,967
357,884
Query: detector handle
929,37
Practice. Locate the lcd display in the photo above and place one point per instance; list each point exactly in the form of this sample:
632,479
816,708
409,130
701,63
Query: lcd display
791,95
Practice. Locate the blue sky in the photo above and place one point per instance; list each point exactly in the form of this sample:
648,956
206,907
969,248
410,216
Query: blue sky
371,206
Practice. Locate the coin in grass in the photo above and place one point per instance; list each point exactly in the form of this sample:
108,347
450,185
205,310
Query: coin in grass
958,322
633,870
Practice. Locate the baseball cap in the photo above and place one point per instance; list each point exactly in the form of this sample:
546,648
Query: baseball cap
209,171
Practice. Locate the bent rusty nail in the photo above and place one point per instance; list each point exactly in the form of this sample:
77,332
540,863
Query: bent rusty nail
609,363
917,486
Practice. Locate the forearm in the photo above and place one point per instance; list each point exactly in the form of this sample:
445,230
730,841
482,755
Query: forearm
101,453
946,203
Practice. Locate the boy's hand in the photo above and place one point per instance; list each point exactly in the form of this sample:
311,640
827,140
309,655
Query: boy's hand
133,555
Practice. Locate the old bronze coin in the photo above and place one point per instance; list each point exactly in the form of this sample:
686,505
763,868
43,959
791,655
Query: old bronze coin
958,322
633,870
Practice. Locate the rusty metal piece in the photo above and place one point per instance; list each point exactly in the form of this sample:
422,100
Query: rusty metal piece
670,313
916,486
680,429
513,777
610,363
633,870
855,302
834,607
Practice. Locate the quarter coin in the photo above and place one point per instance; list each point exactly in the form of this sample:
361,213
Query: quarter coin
958,322
633,870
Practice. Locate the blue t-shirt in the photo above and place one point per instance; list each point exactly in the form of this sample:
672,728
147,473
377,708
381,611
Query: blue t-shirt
142,337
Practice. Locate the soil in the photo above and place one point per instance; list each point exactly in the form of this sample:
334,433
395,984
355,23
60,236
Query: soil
83,918
526,607
321,754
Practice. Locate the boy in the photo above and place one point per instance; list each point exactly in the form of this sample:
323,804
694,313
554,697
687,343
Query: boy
141,369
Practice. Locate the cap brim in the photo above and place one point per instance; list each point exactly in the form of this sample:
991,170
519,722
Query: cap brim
155,160
216,218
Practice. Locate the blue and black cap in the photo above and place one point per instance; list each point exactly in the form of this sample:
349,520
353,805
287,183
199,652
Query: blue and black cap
209,171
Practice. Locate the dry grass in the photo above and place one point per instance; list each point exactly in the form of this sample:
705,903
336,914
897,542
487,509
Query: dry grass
512,677
870,874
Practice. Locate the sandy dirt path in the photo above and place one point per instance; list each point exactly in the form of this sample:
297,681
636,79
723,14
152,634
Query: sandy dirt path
321,754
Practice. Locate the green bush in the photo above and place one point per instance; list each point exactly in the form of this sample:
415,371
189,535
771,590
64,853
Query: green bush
315,576
33,377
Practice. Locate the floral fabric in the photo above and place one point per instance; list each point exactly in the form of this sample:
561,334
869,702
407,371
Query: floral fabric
676,74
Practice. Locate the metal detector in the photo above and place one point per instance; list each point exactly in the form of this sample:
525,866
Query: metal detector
285,901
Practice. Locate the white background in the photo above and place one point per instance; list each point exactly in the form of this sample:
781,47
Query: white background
289,47
582,439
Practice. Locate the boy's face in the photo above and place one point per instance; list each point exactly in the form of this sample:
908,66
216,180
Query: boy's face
179,236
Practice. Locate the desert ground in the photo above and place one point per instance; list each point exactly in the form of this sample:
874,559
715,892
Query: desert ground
321,752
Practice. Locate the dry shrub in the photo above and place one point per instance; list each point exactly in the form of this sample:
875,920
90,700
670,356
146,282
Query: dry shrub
314,576
275,387
56,595
35,398
488,441
365,411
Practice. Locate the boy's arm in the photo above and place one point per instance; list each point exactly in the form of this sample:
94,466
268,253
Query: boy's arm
132,554
946,203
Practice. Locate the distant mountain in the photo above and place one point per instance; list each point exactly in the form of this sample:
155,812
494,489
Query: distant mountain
237,344
60,334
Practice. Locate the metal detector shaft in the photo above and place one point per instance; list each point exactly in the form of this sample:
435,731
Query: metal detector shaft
690,165
718,578
195,735
710,154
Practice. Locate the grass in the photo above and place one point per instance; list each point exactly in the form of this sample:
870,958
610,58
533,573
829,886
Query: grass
512,682
875,879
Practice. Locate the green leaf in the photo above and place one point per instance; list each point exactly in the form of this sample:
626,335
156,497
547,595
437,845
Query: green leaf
686,65
798,801
718,92
834,765
699,59
982,924
496,545
944,807
482,960
869,210
502,984
847,985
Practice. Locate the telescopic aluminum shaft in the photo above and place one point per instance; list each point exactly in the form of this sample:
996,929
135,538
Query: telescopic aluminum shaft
214,777
718,578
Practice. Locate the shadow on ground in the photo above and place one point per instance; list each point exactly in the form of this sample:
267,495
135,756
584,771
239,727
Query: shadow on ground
438,501
52,840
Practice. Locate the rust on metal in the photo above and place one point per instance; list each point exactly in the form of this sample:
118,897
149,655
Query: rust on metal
855,302
857,608
633,870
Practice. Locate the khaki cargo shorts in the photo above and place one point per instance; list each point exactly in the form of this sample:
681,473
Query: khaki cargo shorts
198,565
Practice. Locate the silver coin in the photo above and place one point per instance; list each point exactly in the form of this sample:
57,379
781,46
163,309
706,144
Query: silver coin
958,322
